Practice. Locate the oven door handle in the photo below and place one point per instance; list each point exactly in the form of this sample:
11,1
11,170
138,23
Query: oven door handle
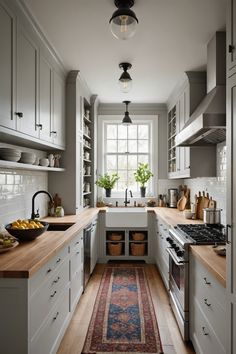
174,257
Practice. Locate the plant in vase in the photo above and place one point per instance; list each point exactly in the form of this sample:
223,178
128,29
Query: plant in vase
107,182
142,176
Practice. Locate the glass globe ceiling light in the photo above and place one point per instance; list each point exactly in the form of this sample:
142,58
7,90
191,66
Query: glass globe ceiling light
123,22
126,120
125,80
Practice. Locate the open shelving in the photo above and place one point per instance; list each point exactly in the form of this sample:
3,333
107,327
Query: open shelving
26,166
171,140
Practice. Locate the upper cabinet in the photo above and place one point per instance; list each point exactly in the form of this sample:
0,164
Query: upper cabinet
7,40
185,162
32,87
231,35
27,79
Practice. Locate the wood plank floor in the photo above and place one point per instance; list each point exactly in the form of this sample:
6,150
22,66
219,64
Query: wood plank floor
74,338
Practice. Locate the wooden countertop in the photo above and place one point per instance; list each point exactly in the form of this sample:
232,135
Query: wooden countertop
24,260
173,216
214,263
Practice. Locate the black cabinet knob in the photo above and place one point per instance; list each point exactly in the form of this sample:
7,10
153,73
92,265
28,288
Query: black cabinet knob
19,114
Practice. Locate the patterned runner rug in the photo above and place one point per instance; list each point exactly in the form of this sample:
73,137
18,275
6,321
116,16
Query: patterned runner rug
123,319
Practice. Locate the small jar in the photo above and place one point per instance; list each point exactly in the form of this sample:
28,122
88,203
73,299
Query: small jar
59,212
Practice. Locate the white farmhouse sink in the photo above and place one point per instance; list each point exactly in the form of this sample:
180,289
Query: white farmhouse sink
126,217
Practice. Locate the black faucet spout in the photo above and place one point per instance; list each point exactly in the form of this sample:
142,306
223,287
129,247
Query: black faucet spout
126,197
33,215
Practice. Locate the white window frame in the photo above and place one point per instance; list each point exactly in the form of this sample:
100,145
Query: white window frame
152,120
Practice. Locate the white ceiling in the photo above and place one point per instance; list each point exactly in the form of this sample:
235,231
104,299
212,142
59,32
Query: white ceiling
171,38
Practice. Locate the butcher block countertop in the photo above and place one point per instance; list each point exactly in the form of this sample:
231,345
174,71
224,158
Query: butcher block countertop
173,216
214,263
27,258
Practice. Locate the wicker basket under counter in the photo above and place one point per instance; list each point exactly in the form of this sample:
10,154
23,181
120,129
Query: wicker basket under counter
114,248
115,237
137,249
138,236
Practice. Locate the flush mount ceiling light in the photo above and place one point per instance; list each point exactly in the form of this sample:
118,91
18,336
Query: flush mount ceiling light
126,120
125,80
123,22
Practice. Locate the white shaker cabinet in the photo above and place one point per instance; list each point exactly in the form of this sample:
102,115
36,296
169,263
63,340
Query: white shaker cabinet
27,79
94,245
58,122
7,40
45,99
161,255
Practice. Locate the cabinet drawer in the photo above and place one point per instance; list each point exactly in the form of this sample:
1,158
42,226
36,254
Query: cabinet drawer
44,299
46,271
76,288
77,241
203,278
49,335
202,334
76,261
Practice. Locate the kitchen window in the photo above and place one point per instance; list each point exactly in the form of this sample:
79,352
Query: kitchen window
124,148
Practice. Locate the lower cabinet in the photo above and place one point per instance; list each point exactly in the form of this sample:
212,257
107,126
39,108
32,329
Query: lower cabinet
161,255
207,310
37,310
94,245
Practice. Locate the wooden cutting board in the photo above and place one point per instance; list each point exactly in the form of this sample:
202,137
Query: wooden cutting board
199,205
182,203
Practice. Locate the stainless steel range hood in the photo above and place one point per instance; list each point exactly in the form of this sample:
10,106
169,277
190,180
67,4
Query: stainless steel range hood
207,124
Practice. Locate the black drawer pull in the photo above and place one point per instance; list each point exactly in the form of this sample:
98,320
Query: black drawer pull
49,270
204,331
53,294
19,114
56,280
206,303
55,317
78,252
58,260
206,281
77,243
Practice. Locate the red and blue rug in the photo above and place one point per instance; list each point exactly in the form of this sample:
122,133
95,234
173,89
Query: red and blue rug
123,319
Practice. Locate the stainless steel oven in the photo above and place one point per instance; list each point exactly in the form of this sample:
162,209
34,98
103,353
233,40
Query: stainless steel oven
178,285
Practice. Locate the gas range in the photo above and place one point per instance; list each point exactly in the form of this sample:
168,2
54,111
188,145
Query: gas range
198,234
180,238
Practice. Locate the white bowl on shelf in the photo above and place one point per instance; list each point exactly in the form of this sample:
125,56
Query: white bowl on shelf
10,154
44,162
28,157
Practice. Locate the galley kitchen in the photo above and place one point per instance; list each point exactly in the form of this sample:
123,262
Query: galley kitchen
117,186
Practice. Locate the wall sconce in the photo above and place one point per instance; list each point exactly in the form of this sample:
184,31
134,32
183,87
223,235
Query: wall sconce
123,22
126,120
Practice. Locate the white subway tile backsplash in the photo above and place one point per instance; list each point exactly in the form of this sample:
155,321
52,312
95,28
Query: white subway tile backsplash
16,190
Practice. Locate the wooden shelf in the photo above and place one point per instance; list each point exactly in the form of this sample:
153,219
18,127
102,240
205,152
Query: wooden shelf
87,176
87,160
25,166
87,193
87,147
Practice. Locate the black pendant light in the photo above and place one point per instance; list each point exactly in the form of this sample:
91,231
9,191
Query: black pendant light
125,78
123,22
126,120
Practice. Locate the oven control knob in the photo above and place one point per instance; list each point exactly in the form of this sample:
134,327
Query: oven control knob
180,253
168,239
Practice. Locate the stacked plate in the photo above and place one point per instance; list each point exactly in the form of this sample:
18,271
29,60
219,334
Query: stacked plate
10,154
28,157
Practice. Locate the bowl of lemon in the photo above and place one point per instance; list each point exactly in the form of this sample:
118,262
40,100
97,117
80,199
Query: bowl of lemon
27,229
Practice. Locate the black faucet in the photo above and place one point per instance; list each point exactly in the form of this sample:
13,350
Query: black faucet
126,196
33,215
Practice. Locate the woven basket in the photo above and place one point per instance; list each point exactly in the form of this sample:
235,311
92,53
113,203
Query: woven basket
137,249
114,249
138,236
115,237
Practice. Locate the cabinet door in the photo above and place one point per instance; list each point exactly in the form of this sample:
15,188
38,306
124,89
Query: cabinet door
58,131
231,213
94,245
7,24
45,99
27,66
231,34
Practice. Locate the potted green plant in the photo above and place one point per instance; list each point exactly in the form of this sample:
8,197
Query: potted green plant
142,175
107,182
